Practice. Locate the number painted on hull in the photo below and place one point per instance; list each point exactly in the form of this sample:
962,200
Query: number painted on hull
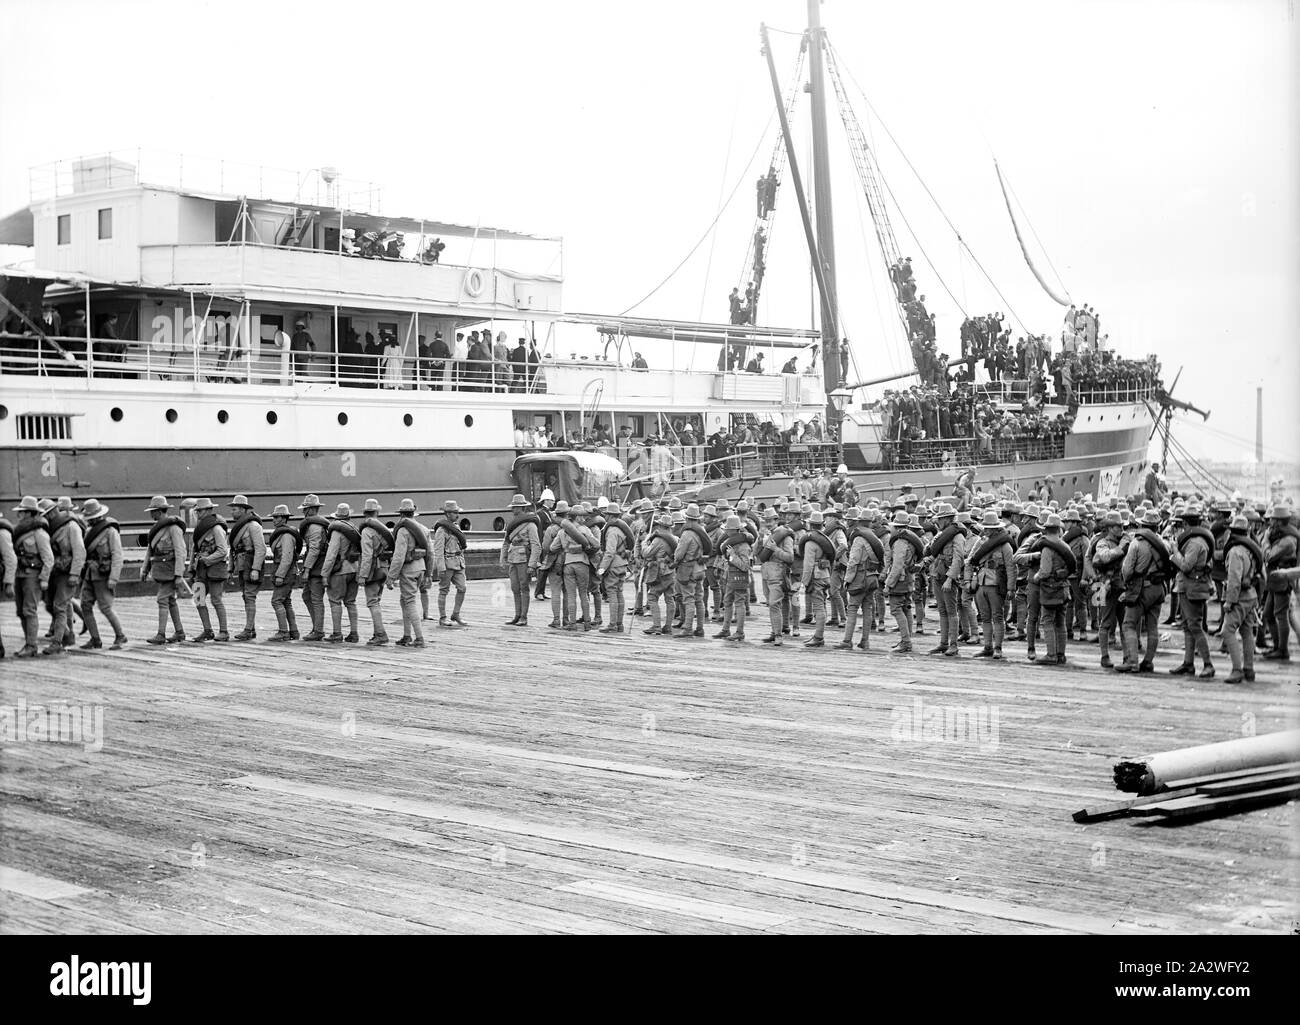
49,464
1109,480
349,464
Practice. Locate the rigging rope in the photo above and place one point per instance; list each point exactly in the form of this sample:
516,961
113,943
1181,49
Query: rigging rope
743,177
942,212
1024,249
1025,214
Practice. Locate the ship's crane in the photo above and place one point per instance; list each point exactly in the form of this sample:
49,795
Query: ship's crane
1164,415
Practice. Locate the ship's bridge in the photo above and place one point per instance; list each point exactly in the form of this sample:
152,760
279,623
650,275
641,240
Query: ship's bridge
264,234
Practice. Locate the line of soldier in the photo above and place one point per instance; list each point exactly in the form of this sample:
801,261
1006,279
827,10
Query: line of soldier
1062,573
60,552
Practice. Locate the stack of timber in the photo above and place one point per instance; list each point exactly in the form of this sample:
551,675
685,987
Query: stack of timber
1207,781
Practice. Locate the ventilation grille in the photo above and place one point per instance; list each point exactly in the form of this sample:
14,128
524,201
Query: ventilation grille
44,427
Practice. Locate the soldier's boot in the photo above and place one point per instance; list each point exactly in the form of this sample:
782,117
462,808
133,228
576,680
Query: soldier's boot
424,605
595,609
442,610
206,634
378,636
525,600
850,626
293,622
174,609
655,625
336,618
282,624
739,635
455,610
161,636
250,621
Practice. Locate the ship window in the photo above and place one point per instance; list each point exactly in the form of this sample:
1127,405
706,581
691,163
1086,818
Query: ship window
4,412
343,419
106,223
408,419
271,417
171,416
222,416
469,420
44,427
65,229
499,523
464,524
1073,481
116,414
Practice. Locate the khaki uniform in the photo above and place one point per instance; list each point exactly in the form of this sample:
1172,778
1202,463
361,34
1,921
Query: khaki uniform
408,569
104,558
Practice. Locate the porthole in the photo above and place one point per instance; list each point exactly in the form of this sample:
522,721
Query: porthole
4,412
1091,477
464,524
499,523
116,414
1073,481
172,416
271,416
343,419
408,419
1102,417
222,416
469,420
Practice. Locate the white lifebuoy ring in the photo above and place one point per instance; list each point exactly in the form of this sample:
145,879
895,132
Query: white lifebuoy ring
474,283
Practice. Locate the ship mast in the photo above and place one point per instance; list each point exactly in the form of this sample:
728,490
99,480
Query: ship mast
830,320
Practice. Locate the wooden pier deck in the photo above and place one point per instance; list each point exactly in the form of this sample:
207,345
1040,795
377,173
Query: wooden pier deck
510,781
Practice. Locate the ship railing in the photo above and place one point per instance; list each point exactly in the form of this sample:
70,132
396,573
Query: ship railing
188,172
958,453
1118,392
224,358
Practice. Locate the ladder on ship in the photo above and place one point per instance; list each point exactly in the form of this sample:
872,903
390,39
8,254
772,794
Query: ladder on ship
760,239
296,228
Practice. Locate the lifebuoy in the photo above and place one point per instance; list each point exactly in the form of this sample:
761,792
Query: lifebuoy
473,282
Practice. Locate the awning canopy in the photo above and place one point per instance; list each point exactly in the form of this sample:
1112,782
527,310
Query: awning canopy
17,229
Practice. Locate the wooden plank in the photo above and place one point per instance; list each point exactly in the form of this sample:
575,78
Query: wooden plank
710,911
28,884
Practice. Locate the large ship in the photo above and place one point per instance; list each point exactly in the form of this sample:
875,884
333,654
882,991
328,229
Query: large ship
209,329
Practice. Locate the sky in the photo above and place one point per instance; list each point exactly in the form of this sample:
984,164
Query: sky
1151,146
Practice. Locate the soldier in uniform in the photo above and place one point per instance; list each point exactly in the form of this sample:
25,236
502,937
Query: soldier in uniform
372,571
578,543
898,583
657,550
642,524
861,575
839,538
1281,554
616,550
520,556
775,554
736,551
993,573
448,551
67,542
1193,554
816,578
545,516
1107,559
1144,574
209,568
283,550
34,562
552,568
712,565
409,570
947,554
595,522
315,540
1078,538
793,614
1027,558
1244,562
339,569
688,562
165,556
1052,578
247,556
103,569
